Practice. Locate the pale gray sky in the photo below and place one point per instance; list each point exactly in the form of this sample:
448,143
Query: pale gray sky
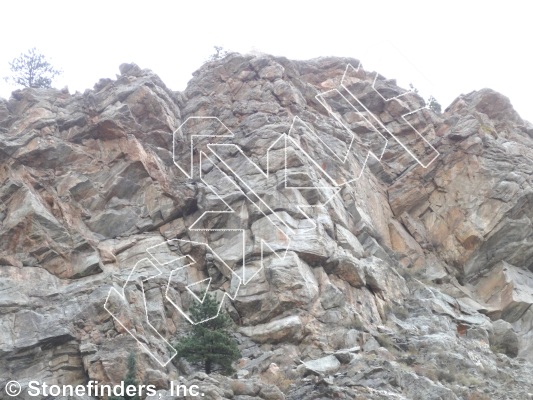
456,46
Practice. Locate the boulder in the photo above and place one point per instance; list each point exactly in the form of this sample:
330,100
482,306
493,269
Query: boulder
503,338
325,365
285,329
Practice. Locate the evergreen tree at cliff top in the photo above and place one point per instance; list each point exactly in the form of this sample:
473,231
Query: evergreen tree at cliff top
32,70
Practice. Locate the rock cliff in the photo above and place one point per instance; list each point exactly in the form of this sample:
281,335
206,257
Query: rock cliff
365,247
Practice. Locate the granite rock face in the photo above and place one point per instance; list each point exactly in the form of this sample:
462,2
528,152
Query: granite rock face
404,274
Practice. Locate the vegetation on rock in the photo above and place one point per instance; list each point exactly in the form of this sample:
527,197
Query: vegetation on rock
209,343
32,70
130,379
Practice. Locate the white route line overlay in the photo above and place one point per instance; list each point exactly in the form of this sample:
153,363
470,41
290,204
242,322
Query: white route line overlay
343,80
334,187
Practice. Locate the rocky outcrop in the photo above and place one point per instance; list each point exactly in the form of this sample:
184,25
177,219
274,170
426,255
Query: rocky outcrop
400,274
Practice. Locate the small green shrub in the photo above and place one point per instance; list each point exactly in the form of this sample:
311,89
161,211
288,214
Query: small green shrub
386,342
446,376
130,379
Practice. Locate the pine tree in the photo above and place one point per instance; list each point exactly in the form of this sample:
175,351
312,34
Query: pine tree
129,379
434,105
209,343
32,69
219,53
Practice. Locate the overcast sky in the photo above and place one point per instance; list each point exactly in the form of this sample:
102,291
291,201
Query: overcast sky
446,48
